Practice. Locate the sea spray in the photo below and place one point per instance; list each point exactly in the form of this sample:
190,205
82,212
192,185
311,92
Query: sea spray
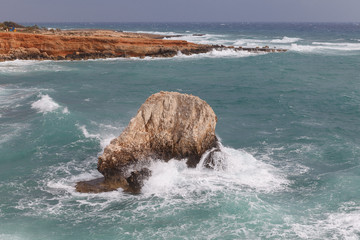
235,170
45,104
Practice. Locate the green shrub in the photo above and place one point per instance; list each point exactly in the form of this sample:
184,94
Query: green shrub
12,24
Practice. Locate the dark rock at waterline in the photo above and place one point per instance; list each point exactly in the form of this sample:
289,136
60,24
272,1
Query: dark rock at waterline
215,159
132,184
136,180
169,125
96,186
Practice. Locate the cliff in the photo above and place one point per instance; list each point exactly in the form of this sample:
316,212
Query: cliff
93,44
76,45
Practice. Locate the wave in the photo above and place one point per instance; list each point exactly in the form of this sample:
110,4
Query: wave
220,39
235,170
338,46
172,187
46,105
159,33
25,66
325,47
314,47
290,43
343,224
195,37
171,183
212,39
11,130
11,237
224,53
286,40
106,133
13,97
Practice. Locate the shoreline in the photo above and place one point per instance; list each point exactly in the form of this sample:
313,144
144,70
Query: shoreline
80,44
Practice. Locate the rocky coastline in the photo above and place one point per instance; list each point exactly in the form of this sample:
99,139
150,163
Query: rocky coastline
95,44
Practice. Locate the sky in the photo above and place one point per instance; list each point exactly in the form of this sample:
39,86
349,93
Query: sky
180,10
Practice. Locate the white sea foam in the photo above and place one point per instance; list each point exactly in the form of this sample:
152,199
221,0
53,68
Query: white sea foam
65,110
173,182
11,130
235,170
343,224
195,37
225,53
213,39
249,42
11,237
87,134
286,40
105,132
25,66
45,104
158,32
326,47
342,46
13,97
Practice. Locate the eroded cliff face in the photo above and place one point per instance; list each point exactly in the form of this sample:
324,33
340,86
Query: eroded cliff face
168,125
79,46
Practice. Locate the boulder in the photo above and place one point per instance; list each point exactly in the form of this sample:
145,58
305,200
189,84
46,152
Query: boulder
169,125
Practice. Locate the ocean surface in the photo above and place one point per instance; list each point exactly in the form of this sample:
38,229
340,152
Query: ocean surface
289,124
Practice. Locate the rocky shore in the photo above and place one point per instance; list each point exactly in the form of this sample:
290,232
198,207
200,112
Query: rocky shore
94,44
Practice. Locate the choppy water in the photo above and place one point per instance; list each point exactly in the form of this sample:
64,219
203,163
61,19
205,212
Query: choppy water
289,123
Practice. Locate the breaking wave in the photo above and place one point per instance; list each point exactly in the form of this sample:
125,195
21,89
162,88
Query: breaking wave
326,47
224,53
25,66
106,132
342,224
286,40
13,98
235,170
11,131
45,104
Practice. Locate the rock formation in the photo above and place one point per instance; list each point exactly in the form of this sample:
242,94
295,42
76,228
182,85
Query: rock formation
93,44
108,44
168,125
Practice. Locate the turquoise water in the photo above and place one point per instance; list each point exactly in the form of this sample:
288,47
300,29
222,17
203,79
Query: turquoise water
289,124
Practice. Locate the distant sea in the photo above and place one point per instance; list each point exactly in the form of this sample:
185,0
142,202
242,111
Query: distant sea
289,123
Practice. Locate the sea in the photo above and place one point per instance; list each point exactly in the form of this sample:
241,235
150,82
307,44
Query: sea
289,125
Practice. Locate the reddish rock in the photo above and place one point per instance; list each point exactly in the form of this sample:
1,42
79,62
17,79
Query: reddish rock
22,46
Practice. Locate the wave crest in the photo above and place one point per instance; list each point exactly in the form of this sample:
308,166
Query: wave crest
286,40
45,104
235,170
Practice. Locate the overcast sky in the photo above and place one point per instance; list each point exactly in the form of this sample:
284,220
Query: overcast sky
180,10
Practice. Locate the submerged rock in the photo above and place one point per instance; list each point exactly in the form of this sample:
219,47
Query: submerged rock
168,125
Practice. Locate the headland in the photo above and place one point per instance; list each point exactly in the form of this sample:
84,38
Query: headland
34,43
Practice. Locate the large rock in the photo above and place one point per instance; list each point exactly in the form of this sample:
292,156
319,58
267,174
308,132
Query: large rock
168,125
76,45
